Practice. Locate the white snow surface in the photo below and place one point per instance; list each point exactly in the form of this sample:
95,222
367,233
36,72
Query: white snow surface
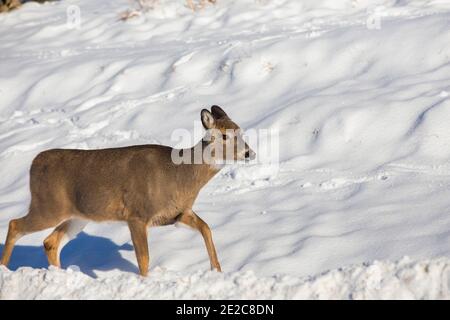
360,94
427,279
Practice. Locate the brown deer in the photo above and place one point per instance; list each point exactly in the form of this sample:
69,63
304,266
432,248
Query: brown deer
140,185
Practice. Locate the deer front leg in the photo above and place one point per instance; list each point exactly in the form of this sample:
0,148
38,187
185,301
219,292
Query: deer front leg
190,219
138,230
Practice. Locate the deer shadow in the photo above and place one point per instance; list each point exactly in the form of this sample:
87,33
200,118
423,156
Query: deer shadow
87,252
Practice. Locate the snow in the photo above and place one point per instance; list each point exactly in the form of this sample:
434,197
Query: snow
404,279
357,90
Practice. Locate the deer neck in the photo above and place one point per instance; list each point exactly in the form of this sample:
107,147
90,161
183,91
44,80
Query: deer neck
203,169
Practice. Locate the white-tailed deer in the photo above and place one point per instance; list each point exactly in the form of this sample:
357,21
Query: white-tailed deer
140,185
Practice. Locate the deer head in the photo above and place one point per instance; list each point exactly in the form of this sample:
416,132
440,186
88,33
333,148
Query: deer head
224,138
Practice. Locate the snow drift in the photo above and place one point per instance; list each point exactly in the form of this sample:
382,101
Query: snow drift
427,279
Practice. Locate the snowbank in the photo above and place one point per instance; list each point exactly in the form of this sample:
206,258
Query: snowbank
426,279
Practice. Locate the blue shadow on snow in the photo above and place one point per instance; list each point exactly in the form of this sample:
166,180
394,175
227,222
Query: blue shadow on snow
87,252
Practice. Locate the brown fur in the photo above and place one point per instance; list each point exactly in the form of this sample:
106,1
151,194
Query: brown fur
7,5
137,184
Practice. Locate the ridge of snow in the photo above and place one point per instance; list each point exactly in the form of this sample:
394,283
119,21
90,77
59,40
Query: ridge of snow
404,279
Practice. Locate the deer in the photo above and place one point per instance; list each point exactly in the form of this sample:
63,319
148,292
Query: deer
142,185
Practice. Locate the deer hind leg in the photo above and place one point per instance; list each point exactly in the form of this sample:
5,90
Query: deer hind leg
62,234
22,226
11,238
138,230
190,219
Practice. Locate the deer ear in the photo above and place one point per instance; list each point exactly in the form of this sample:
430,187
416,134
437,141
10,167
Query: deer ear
218,112
207,119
